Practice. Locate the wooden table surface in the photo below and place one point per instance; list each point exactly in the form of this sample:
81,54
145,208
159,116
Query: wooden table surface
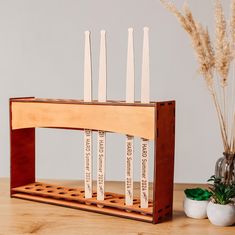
19,216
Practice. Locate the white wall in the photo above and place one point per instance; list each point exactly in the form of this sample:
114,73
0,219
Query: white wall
41,54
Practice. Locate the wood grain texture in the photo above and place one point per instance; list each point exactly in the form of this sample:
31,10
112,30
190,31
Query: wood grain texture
90,208
140,121
77,195
23,217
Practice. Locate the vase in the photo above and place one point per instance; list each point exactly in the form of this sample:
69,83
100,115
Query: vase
225,168
195,209
221,215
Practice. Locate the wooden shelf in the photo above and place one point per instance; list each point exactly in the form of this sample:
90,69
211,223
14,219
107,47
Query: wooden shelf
154,121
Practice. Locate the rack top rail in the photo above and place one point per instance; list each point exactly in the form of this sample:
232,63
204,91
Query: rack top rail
136,119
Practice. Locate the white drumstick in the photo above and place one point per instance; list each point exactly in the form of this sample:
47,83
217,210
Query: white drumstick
101,134
87,133
144,187
130,97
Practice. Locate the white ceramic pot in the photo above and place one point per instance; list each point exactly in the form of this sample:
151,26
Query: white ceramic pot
221,215
195,209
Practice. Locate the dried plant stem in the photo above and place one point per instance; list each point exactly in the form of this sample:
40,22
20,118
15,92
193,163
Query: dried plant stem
232,24
232,138
214,59
232,32
232,149
232,144
225,108
221,120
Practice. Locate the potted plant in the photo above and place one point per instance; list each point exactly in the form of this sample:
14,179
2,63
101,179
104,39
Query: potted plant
221,208
195,202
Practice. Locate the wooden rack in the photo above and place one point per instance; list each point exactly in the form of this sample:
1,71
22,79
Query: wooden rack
154,121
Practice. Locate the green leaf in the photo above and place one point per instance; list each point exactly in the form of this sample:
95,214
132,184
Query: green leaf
198,194
222,193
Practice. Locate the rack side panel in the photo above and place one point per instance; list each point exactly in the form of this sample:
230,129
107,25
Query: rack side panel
164,161
22,155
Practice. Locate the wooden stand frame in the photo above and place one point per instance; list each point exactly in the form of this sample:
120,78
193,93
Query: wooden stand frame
153,121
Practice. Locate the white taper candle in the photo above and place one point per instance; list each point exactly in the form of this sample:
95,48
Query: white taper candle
87,133
144,184
130,98
101,134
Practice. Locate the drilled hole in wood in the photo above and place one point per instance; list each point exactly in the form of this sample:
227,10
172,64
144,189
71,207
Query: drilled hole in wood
82,191
38,185
62,193
143,208
28,187
59,188
48,186
114,201
74,195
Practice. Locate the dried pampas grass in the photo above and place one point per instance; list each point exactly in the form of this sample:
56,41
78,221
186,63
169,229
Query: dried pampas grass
200,40
215,60
222,45
232,26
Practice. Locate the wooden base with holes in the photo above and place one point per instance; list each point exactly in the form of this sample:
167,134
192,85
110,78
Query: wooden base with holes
154,121
74,197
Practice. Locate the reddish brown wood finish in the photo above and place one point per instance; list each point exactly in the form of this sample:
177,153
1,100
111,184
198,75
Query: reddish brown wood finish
23,155
164,161
22,143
